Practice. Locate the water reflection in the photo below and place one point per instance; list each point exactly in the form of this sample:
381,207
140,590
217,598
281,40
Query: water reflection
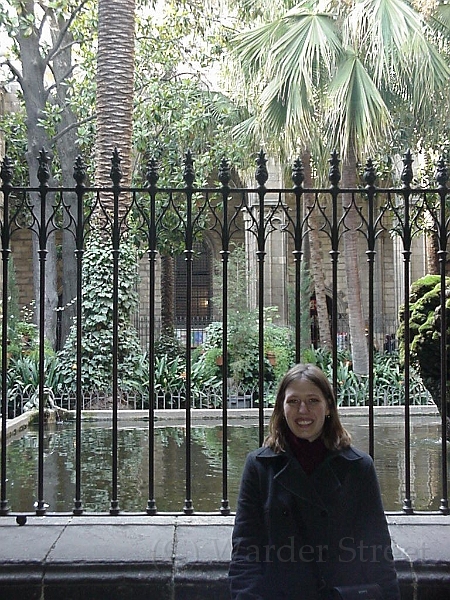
206,452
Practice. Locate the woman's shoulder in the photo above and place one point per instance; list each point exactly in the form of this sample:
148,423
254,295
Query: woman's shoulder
264,452
352,453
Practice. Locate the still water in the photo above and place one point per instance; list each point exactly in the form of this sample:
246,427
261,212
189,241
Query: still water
206,452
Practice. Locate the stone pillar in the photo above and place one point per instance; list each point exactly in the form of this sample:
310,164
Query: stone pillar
275,262
142,318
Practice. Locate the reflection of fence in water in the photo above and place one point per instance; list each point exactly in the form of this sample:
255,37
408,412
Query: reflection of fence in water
170,444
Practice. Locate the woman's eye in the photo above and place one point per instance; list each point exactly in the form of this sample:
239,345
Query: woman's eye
308,401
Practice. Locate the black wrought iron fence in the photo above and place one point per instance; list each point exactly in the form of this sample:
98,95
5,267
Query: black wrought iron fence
279,229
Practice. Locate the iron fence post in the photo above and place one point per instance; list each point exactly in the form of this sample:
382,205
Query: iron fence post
6,174
189,177
224,178
116,176
261,177
407,177
298,177
442,180
369,178
79,175
152,179
334,179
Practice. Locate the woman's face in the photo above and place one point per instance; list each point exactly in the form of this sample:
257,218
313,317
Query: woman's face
305,409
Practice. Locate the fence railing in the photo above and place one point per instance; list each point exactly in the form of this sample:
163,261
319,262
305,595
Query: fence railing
276,226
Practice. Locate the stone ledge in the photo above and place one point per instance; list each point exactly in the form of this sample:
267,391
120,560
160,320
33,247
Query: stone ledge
175,557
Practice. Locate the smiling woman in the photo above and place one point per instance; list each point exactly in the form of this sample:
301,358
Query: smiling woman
305,409
307,487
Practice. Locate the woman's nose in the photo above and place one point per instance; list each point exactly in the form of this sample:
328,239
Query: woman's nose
303,406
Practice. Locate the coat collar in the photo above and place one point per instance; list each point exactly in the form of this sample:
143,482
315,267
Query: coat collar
324,481
349,453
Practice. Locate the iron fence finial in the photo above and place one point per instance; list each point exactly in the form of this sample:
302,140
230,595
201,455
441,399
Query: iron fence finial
370,175
407,173
7,170
224,172
152,175
334,175
441,174
298,174
262,174
79,170
188,173
44,167
116,171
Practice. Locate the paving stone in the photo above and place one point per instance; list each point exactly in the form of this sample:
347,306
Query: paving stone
175,557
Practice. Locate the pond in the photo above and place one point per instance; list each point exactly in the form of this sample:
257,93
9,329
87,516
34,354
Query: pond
206,450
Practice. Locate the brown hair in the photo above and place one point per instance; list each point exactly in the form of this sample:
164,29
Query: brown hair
334,435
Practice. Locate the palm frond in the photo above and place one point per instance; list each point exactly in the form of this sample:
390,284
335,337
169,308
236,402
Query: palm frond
288,108
251,48
429,73
358,116
440,20
395,41
249,130
309,46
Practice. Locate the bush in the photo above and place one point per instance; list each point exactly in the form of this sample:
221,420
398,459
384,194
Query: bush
353,390
425,335
97,317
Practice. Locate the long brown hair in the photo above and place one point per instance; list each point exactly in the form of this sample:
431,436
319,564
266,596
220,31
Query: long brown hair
334,435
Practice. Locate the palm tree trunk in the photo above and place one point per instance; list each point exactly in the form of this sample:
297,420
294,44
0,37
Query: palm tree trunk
316,266
115,78
432,247
167,295
357,326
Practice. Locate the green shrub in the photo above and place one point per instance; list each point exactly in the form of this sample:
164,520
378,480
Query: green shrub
388,382
97,318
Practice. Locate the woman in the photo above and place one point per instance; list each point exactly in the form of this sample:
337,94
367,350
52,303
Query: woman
309,514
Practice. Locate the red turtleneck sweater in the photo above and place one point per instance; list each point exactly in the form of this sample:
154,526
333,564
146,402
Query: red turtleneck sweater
308,454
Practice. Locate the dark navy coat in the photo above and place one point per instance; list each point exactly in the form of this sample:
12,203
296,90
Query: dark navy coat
293,530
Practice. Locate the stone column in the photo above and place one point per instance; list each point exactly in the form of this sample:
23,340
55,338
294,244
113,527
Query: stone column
276,259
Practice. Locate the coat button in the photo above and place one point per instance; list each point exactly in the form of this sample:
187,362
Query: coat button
324,513
285,512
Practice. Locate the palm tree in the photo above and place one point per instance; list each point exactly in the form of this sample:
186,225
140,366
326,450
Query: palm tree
337,73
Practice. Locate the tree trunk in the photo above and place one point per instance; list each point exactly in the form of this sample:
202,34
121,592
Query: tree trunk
432,247
66,144
316,266
167,295
115,78
35,96
359,347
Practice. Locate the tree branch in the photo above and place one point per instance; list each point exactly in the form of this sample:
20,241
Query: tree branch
44,18
61,49
58,42
57,83
17,74
61,133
